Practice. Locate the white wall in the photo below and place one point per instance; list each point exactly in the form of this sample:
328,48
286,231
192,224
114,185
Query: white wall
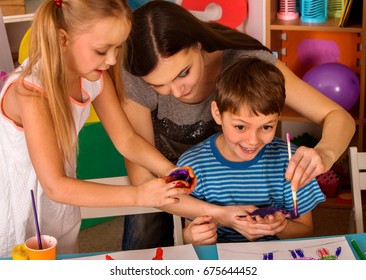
6,61
255,24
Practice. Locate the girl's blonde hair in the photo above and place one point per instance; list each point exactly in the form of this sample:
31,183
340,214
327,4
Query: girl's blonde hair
47,63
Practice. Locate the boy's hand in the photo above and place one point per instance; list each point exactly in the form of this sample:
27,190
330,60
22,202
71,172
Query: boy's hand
201,231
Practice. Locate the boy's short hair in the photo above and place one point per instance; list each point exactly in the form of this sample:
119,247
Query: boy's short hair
251,82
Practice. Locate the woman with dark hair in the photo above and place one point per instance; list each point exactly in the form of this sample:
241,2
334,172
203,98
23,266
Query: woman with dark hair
172,62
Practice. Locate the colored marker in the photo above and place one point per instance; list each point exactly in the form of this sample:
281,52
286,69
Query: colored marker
358,250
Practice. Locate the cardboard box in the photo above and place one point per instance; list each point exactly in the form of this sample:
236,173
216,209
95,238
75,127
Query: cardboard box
12,7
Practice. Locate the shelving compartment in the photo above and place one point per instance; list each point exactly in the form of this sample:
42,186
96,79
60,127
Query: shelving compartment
285,36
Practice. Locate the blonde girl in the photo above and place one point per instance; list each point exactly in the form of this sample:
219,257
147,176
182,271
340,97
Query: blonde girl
75,56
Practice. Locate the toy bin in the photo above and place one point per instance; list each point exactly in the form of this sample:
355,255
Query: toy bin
328,182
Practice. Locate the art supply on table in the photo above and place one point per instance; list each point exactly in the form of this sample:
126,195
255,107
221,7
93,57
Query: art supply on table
49,248
159,254
358,250
294,196
19,252
36,222
109,258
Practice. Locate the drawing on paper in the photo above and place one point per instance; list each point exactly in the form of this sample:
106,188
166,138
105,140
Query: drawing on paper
333,248
323,253
181,252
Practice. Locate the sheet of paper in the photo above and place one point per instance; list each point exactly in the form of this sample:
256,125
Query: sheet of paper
315,249
183,252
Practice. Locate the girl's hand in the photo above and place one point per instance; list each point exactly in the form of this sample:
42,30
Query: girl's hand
192,177
305,165
157,193
186,176
201,231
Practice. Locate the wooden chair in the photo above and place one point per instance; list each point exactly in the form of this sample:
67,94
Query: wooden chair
357,163
98,212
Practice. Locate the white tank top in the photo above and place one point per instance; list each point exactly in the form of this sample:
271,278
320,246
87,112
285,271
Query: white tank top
17,178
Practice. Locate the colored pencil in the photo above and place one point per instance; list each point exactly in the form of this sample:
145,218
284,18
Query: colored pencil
294,196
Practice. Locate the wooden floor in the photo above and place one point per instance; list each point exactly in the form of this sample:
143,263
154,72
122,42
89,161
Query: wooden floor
107,236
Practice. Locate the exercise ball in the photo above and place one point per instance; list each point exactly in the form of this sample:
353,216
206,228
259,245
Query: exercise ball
336,81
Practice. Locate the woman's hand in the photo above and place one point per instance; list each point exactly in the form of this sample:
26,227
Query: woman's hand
201,231
252,229
338,127
305,165
235,217
157,193
278,222
226,216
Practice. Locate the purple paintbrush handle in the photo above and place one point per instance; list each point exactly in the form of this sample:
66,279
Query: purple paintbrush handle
36,222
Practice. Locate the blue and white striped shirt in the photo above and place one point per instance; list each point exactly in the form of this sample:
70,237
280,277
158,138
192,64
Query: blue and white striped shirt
260,182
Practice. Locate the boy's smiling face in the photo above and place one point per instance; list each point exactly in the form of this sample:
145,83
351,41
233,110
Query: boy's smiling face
244,134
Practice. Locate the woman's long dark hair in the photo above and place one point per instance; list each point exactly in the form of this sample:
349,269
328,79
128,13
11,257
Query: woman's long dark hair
162,29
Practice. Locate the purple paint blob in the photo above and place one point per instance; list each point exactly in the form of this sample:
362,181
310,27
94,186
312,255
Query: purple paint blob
181,174
263,212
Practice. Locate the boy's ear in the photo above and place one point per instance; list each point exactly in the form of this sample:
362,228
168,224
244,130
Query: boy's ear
216,113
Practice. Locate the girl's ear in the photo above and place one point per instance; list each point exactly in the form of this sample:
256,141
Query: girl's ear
63,37
216,113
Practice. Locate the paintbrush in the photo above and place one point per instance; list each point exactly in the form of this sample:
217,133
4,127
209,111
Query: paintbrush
40,247
294,196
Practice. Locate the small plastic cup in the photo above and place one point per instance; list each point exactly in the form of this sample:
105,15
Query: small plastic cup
48,252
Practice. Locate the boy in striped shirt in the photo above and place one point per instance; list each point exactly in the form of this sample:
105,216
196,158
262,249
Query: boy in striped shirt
245,163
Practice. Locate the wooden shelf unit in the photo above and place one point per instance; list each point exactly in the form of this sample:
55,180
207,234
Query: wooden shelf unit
275,29
30,7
